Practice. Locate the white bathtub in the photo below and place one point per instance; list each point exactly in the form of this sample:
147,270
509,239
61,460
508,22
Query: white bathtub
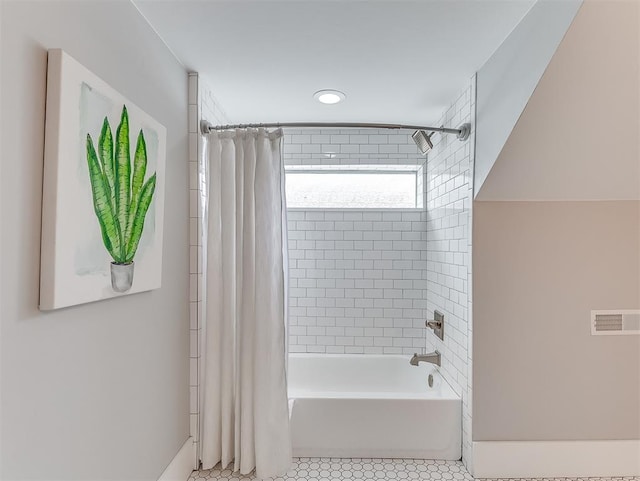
370,406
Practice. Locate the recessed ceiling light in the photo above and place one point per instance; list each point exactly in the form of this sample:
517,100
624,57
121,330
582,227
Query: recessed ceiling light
329,96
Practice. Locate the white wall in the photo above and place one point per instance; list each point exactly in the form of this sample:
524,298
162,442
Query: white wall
98,391
508,78
448,194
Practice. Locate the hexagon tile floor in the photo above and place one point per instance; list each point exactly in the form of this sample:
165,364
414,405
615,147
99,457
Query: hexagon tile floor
334,469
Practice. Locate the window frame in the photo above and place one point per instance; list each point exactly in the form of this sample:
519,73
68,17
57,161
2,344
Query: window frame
355,169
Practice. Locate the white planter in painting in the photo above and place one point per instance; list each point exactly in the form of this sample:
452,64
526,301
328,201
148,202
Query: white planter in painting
122,276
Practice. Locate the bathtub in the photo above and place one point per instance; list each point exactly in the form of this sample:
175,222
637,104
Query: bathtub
371,406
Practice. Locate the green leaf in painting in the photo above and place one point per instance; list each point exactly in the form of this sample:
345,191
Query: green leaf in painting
105,150
139,170
146,196
102,204
123,177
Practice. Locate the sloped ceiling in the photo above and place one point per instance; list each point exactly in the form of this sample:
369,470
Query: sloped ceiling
578,137
507,80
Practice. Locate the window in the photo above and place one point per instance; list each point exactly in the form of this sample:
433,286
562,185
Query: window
355,187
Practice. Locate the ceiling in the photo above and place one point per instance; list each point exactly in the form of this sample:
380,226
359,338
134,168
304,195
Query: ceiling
396,61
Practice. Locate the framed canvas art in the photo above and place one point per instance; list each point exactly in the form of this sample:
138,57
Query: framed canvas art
103,191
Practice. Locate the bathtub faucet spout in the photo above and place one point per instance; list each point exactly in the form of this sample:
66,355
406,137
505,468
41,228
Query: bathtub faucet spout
432,357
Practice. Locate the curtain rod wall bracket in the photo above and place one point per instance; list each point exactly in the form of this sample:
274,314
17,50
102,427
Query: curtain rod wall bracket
462,132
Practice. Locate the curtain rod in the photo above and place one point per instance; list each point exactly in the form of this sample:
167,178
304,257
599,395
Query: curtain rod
462,132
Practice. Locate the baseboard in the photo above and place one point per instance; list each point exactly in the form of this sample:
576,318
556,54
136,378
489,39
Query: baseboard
550,459
181,465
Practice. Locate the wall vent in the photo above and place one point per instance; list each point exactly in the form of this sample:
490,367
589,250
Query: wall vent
615,322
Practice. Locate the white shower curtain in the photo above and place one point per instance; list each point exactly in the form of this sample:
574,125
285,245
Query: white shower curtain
244,410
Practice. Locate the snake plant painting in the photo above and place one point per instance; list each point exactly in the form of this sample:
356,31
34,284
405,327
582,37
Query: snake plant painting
120,199
103,190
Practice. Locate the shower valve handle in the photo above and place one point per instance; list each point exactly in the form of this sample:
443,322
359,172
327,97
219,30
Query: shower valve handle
437,324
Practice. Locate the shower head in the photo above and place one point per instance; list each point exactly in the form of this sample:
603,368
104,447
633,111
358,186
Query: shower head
423,141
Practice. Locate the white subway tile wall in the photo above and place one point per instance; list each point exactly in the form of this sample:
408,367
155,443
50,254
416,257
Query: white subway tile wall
202,105
467,413
357,282
195,247
449,195
349,147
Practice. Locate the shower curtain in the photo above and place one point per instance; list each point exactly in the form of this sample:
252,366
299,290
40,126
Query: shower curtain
244,413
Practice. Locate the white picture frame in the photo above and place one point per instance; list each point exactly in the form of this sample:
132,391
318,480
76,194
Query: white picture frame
102,222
